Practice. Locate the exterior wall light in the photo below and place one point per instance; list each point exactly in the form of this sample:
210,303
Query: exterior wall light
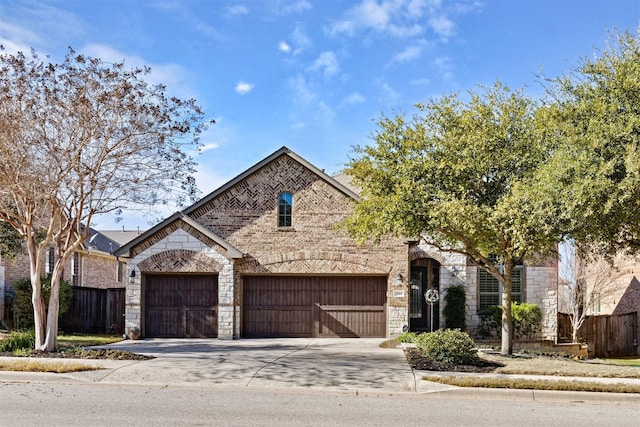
399,279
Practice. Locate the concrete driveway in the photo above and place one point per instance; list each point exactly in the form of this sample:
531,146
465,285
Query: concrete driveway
336,364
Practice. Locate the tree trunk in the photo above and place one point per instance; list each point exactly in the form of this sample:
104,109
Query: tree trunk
507,318
51,340
39,312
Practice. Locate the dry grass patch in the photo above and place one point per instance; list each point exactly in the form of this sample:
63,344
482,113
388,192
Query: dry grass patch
58,367
528,384
560,366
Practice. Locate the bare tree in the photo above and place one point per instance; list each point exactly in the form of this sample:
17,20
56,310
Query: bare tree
584,284
82,138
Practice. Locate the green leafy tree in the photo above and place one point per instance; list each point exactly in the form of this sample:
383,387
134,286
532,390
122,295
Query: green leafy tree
459,176
595,114
82,138
22,306
10,242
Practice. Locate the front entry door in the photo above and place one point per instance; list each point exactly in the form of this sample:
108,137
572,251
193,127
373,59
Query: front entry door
425,276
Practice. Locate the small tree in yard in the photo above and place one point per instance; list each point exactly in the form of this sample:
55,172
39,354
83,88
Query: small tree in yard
584,286
78,139
460,176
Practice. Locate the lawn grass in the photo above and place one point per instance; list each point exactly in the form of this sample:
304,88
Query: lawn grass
529,384
65,343
58,367
632,362
86,340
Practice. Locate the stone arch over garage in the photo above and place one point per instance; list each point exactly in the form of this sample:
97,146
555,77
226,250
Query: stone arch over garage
179,261
317,262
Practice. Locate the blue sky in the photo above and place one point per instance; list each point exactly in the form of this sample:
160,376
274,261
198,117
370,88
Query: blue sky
315,75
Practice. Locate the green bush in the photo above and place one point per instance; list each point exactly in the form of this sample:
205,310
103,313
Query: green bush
449,346
454,312
408,337
527,321
18,340
490,322
22,306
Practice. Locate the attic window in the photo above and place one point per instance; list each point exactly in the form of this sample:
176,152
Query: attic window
285,205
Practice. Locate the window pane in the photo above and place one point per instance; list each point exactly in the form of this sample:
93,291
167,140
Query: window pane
285,205
488,283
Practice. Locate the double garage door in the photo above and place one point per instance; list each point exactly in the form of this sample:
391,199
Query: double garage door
178,306
273,306
323,306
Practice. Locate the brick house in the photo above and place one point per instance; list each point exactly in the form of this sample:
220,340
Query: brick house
261,257
92,269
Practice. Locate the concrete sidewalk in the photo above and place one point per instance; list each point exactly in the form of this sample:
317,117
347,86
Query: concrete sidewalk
343,365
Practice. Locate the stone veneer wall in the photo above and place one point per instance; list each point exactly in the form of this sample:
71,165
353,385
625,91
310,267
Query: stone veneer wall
180,251
541,288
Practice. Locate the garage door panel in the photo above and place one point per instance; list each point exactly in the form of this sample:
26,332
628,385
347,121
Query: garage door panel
201,323
163,323
286,306
352,323
181,306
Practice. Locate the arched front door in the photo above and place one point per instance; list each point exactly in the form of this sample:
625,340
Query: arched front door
425,277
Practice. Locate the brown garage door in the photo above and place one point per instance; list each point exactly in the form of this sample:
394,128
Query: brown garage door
327,306
181,306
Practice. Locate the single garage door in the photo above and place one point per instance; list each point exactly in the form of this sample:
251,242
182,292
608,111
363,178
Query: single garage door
181,306
325,306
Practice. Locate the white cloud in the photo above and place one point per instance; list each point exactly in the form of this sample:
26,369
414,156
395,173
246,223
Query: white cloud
400,18
237,10
172,75
208,147
444,65
442,26
387,95
303,93
243,88
353,99
284,47
300,39
297,7
409,54
327,63
395,17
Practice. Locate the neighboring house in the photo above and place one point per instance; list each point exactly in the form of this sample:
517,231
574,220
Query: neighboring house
610,298
92,270
262,256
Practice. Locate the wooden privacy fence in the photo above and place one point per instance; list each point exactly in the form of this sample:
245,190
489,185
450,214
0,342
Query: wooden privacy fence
606,336
98,311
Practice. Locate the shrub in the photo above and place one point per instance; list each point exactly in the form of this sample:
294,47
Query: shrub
18,340
454,312
527,320
408,337
490,322
21,303
449,346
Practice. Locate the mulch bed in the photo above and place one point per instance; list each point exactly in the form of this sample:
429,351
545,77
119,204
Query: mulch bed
84,354
417,360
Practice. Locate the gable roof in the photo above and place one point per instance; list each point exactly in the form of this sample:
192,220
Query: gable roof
284,151
232,252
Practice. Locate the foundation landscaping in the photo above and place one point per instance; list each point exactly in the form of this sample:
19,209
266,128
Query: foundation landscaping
452,357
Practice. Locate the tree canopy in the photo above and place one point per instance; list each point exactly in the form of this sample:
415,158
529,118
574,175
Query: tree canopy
80,138
594,112
459,176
